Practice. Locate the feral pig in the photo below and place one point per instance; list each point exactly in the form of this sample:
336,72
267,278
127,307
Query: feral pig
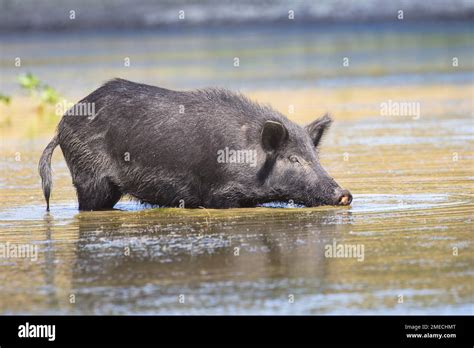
205,148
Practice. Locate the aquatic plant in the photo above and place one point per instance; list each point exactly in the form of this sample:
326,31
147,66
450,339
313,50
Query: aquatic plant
49,95
29,82
35,87
46,94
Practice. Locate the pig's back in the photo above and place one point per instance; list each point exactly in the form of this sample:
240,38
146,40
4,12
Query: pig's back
185,128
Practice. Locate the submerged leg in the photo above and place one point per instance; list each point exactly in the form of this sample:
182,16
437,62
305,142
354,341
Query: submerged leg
97,195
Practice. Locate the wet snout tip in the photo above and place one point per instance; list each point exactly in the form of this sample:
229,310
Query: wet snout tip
345,198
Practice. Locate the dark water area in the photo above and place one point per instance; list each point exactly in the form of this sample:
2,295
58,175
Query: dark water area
73,15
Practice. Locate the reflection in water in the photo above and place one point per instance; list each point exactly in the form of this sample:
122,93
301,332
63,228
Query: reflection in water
216,263
411,179
143,261
412,212
49,269
262,260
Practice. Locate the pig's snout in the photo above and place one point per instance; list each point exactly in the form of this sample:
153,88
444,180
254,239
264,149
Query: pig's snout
343,197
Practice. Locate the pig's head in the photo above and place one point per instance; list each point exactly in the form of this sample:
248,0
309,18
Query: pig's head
292,171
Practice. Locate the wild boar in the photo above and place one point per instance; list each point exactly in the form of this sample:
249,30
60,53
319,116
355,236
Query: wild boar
204,148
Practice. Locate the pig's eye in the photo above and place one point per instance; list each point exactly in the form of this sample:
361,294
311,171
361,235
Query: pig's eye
294,159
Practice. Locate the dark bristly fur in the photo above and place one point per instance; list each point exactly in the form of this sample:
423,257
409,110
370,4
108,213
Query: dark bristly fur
172,139
45,169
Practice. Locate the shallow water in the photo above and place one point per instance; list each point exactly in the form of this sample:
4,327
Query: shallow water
412,205
412,180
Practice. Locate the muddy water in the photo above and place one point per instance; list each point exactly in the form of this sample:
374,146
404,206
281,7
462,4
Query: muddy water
410,223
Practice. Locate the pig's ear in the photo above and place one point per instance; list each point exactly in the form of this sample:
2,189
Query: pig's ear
317,128
274,135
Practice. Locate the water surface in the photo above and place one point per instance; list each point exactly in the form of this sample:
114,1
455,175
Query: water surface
412,181
412,205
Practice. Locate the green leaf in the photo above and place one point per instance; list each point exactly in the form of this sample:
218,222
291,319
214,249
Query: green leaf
29,82
49,95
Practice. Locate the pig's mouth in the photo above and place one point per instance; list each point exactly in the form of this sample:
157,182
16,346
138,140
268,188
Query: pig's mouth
340,197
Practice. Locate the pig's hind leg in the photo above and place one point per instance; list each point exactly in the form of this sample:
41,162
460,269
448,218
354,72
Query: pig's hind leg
97,194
